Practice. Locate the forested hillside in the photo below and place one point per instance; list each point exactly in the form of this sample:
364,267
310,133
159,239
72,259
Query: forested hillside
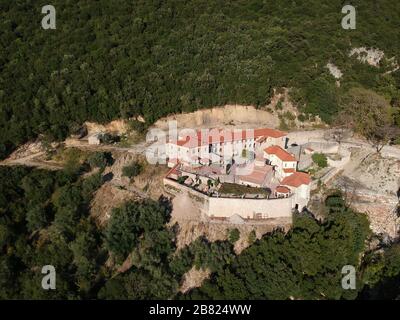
119,58
44,220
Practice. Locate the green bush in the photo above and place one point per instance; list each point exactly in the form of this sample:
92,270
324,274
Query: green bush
320,159
132,170
99,159
234,235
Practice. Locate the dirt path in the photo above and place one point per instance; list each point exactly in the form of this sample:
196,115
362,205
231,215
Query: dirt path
32,161
139,148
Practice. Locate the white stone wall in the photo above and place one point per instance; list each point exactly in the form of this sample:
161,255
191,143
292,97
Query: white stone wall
248,208
345,154
226,207
302,137
280,165
94,140
270,141
323,146
229,148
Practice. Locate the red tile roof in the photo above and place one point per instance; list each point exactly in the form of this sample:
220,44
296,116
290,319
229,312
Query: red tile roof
280,153
173,170
266,132
290,170
297,179
225,135
282,189
257,176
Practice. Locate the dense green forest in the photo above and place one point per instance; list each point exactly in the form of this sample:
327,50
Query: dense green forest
110,59
118,59
44,220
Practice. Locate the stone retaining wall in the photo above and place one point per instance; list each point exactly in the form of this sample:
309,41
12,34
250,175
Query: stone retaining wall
226,207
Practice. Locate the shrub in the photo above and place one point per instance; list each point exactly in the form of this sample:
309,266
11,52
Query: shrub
132,170
320,159
252,237
99,159
234,235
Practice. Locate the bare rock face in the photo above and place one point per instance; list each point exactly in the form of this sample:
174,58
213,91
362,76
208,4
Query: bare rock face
334,71
241,116
222,116
371,56
381,210
105,199
26,150
116,126
194,279
371,184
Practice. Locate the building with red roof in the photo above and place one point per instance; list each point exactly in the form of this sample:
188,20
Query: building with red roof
299,184
297,179
282,192
284,162
220,145
203,155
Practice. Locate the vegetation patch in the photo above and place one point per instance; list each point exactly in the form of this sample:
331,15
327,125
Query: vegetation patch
239,190
320,160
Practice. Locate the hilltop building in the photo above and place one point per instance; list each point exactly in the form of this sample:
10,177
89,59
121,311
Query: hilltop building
219,145
267,182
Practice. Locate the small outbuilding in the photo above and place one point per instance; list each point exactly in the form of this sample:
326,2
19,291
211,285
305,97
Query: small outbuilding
95,138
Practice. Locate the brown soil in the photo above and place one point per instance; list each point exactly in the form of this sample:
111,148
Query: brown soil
193,279
240,116
107,198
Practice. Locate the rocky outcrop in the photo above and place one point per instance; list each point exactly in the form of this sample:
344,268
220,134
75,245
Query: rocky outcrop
380,209
241,116
370,183
371,56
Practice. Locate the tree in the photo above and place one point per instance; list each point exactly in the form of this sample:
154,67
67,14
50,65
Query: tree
36,218
113,289
252,237
320,159
381,274
130,221
132,170
8,281
122,230
234,235
369,114
85,250
90,185
153,249
304,263
99,159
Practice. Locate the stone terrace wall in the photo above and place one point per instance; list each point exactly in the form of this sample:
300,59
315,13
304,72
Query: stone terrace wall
345,154
323,146
302,137
226,207
247,208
